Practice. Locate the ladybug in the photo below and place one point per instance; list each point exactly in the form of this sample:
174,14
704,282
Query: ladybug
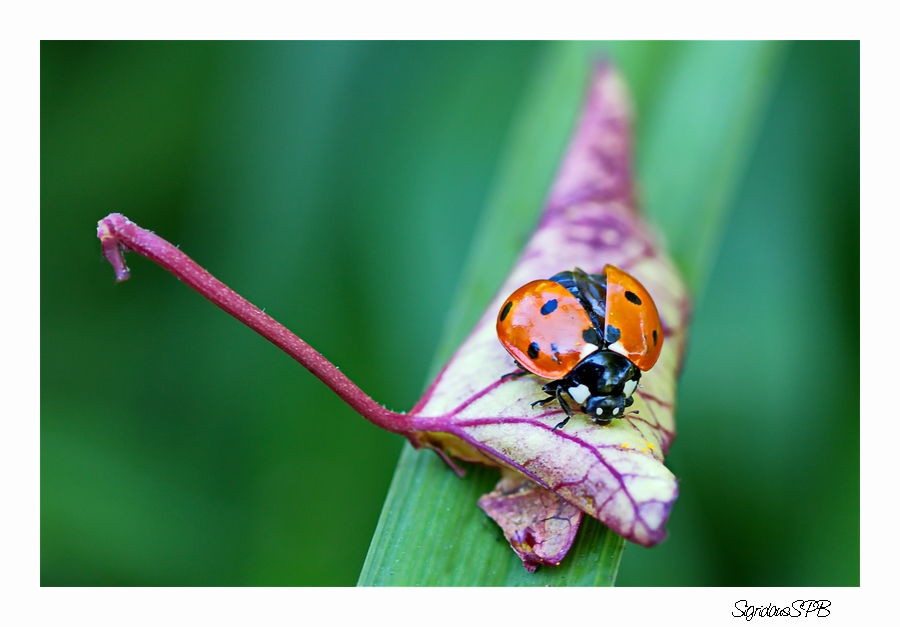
592,335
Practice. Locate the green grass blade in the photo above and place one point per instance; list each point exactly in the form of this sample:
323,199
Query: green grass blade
702,103
697,140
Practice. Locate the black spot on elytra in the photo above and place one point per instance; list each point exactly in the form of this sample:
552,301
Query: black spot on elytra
655,337
549,307
533,350
505,311
632,297
612,334
591,336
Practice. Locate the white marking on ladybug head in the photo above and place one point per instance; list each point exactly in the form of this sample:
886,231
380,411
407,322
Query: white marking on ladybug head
629,388
615,410
579,393
587,349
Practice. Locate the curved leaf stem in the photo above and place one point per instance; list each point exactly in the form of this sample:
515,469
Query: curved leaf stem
118,234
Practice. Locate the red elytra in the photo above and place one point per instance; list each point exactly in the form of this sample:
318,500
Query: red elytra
547,330
542,325
631,310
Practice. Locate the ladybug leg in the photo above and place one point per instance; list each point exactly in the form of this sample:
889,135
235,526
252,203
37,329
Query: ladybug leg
544,401
555,394
566,408
514,375
552,391
563,403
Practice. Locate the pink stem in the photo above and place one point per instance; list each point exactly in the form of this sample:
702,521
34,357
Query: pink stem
117,234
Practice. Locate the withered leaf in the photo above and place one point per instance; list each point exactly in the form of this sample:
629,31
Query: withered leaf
614,473
539,525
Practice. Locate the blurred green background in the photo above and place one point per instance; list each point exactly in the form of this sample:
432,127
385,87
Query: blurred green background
339,185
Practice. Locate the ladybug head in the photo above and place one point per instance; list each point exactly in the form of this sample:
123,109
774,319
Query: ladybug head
603,384
602,409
